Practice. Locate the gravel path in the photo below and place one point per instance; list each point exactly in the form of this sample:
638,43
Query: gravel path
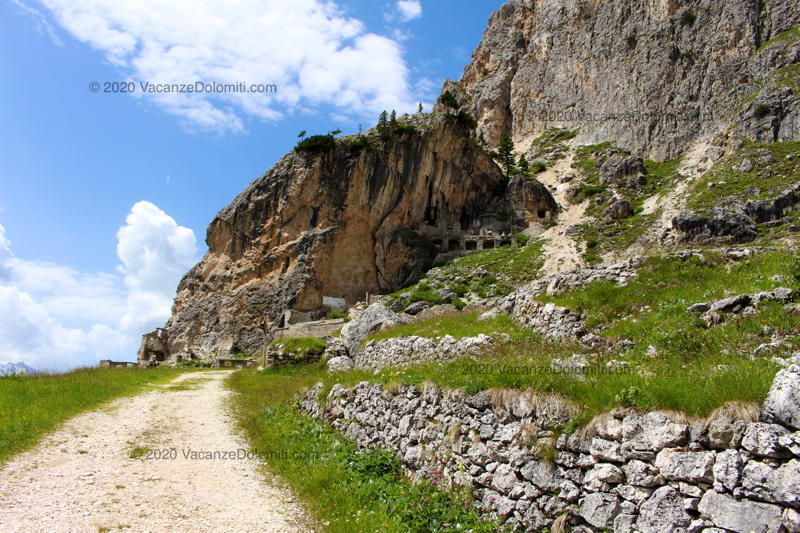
82,477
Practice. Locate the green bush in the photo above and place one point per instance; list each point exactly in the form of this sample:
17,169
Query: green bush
688,18
461,290
316,143
762,110
486,281
588,191
474,387
425,296
686,343
458,303
448,100
404,127
336,314
357,142
537,167
522,240
467,120
375,463
628,397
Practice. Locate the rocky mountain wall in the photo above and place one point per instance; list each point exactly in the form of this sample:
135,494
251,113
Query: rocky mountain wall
336,223
649,75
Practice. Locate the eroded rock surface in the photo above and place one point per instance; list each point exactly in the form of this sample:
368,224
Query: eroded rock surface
338,223
651,75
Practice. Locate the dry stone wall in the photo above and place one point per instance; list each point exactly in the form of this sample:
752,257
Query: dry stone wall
406,351
633,472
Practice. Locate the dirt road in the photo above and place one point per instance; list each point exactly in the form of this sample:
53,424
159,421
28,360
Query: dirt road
154,462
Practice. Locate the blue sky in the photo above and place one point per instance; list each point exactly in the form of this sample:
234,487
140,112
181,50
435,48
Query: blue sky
105,198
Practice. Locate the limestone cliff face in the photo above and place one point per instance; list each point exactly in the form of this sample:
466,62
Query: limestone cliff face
337,223
680,68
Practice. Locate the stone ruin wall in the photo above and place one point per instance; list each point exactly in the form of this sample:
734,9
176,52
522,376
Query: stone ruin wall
629,472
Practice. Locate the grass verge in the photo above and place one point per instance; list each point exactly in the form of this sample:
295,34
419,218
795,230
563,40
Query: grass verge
31,406
771,174
674,360
346,489
505,268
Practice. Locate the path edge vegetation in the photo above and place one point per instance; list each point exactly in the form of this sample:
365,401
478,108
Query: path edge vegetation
32,406
345,489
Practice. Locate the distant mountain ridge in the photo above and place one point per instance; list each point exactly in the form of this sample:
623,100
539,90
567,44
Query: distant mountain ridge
18,369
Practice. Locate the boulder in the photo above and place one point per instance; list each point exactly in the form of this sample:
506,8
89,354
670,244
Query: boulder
728,470
340,364
740,516
541,475
504,479
618,168
653,432
633,494
417,307
779,485
530,201
624,523
605,450
663,512
437,311
335,347
782,405
375,318
619,209
733,304
694,467
601,477
599,509
642,474
721,225
791,442
724,433
764,440
698,308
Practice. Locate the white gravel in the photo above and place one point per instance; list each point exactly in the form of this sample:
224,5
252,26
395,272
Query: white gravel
82,478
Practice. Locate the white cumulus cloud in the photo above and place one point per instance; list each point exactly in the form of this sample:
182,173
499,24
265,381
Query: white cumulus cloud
54,316
315,54
155,253
409,9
